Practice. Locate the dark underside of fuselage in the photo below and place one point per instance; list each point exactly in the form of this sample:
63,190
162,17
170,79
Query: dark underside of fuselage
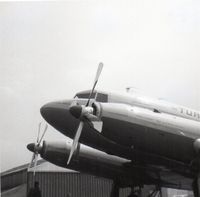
149,140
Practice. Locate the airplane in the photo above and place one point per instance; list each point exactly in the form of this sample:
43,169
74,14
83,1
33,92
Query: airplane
131,139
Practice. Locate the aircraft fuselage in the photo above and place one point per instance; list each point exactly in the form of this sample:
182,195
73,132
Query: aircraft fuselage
130,128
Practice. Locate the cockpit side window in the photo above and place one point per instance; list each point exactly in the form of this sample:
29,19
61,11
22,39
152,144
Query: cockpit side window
102,98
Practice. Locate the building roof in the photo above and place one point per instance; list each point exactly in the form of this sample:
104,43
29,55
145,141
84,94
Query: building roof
42,166
20,168
49,167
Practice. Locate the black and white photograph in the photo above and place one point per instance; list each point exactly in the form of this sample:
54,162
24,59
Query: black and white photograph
100,98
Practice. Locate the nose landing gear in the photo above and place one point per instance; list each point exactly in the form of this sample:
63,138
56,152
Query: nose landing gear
156,193
136,191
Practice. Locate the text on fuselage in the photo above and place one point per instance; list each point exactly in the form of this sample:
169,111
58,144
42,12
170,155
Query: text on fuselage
190,113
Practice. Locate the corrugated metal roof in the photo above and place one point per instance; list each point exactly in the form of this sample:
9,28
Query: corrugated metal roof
49,167
42,166
20,168
16,169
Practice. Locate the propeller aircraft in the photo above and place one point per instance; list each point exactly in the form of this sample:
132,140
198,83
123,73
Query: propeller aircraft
131,139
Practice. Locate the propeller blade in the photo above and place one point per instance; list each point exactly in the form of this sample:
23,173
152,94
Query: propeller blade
33,157
75,141
36,148
35,163
76,111
46,126
39,127
100,67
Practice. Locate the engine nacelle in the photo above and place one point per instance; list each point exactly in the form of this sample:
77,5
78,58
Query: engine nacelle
92,161
85,159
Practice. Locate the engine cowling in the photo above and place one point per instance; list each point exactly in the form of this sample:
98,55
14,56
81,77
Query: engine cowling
91,161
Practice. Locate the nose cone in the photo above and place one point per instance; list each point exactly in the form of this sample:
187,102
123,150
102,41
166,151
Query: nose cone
53,112
47,110
58,115
31,147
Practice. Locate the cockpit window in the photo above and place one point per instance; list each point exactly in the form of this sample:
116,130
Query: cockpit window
102,98
85,95
99,96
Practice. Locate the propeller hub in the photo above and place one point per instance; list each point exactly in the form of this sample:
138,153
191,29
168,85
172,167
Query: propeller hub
34,148
76,111
83,113
31,147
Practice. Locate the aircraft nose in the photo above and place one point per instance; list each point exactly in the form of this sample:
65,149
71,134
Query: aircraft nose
46,109
57,114
52,111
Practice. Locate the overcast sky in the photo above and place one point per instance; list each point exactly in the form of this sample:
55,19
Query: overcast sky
50,50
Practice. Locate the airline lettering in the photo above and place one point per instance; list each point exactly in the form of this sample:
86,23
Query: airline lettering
190,113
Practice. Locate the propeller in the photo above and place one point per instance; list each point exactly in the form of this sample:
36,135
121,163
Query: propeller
83,113
100,67
36,148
